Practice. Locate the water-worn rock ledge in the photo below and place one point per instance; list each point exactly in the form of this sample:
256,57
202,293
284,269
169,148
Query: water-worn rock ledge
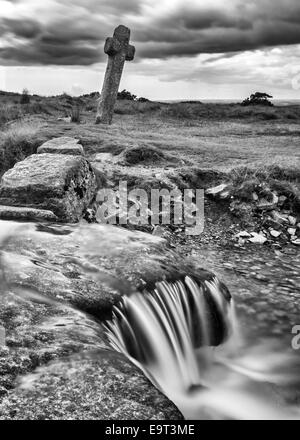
93,386
52,281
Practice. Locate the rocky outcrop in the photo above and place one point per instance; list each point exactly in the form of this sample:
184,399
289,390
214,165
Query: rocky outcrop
56,284
41,379
38,330
88,266
62,145
97,385
62,184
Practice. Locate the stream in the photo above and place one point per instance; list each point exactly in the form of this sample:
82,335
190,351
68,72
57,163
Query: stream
253,374
265,285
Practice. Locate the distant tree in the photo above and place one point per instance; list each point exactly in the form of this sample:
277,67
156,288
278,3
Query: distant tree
25,97
141,99
259,98
94,95
126,95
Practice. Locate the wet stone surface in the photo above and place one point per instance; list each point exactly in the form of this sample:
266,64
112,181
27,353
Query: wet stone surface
56,284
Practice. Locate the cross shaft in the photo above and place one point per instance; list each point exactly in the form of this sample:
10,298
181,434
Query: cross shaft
118,50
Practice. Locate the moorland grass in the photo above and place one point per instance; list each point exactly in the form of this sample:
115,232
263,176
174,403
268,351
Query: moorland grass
245,143
17,142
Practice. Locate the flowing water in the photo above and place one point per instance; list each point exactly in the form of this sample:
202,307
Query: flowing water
231,381
214,356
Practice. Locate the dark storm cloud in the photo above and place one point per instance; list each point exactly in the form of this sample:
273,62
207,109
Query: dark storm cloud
72,32
26,29
41,54
232,41
249,25
210,19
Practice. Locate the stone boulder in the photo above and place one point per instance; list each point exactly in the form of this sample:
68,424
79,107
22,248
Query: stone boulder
56,282
62,184
99,385
37,330
89,266
62,145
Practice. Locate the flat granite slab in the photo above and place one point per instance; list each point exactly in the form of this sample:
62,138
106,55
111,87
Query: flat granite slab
62,145
63,140
24,213
63,184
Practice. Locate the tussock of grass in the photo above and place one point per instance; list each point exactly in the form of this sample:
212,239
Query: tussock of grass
9,112
143,154
266,173
18,142
265,180
192,177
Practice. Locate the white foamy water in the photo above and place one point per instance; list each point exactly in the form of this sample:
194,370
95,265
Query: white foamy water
156,331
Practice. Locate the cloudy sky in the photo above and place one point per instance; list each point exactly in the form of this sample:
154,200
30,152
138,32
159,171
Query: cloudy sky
198,49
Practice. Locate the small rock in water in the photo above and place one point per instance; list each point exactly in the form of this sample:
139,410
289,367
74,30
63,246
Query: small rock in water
292,220
254,197
243,234
274,233
218,190
292,231
257,238
280,218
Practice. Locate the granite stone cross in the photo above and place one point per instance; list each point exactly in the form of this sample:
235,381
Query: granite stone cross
118,50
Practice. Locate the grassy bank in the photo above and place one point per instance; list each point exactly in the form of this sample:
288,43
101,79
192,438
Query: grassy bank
191,135
62,105
17,142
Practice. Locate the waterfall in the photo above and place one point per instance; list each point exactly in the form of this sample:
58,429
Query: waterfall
162,330
184,336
